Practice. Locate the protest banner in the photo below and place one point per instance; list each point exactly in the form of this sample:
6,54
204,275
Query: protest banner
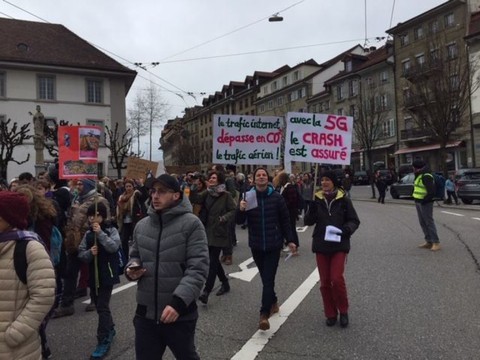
244,139
318,138
139,168
78,151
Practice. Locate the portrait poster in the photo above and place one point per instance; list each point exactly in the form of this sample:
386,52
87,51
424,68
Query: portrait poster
78,151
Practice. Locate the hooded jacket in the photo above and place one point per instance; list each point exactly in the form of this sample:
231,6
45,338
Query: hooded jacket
24,306
268,223
172,246
339,213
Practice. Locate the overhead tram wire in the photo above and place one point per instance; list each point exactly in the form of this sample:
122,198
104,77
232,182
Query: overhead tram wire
120,57
229,33
365,19
391,16
8,16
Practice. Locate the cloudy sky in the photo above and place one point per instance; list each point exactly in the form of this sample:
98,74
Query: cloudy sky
201,45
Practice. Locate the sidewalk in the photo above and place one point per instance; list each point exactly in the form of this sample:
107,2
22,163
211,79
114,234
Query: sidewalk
364,193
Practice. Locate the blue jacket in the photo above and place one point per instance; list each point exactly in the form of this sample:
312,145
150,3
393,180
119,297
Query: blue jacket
268,223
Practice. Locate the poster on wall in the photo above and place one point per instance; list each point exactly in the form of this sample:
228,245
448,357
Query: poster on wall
318,138
78,151
244,139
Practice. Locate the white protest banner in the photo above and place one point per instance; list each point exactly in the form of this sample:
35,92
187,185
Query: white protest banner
244,139
318,138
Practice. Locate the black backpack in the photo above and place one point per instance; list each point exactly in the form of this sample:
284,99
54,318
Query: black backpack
20,258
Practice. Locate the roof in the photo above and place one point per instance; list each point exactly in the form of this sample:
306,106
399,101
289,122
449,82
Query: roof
39,43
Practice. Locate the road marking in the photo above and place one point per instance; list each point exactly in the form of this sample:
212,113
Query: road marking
257,342
246,273
450,213
476,219
116,290
302,229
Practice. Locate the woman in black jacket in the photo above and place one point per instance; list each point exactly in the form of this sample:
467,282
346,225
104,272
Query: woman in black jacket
333,209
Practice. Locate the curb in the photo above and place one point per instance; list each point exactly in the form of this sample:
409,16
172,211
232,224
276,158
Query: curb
411,202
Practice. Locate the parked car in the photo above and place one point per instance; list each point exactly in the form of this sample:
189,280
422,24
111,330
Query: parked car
360,178
404,169
469,186
459,173
404,187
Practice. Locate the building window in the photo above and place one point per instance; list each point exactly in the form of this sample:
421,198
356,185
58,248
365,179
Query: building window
46,87
405,67
348,66
383,102
452,51
273,86
388,128
95,91
285,81
262,108
418,33
454,82
340,94
294,96
327,105
2,84
384,76
420,60
270,105
246,102
352,110
296,76
434,27
404,39
449,20
301,93
340,111
280,101
353,87
369,82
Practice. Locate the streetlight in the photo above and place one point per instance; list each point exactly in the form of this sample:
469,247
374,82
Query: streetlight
275,18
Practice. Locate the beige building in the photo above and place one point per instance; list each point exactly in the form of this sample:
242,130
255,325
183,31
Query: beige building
48,65
426,47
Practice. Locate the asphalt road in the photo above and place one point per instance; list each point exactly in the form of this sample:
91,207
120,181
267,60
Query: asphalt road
405,302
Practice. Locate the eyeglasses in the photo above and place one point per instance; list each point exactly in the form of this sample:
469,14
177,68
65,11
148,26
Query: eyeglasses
160,191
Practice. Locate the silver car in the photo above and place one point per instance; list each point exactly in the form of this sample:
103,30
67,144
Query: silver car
469,186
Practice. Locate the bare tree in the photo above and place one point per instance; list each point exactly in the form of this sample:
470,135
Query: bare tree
438,95
155,111
51,137
10,138
120,147
368,124
137,120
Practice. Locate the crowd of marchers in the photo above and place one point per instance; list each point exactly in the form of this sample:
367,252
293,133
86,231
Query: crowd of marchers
173,234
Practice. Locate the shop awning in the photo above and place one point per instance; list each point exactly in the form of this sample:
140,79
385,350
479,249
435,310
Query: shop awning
380,147
427,147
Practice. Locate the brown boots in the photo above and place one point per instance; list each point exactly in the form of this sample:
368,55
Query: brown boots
430,246
263,324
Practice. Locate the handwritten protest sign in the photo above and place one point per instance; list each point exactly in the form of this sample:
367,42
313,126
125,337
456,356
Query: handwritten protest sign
318,138
78,151
243,139
138,168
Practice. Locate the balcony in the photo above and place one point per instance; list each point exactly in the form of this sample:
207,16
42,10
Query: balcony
415,133
422,70
412,102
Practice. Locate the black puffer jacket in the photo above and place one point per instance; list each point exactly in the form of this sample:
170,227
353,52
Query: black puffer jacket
268,223
340,213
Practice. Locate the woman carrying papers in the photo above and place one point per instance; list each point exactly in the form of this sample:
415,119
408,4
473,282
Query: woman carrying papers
335,220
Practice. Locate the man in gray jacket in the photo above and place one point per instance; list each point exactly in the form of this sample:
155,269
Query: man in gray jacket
169,258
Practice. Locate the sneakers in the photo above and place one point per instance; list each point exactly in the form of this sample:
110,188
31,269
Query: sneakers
111,335
63,311
204,297
225,288
343,320
331,321
435,247
425,245
263,324
101,350
90,307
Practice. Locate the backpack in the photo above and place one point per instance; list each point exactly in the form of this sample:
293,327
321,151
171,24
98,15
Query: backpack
20,257
439,181
56,240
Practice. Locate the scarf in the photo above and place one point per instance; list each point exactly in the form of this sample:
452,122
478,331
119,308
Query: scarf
216,191
14,235
329,196
124,203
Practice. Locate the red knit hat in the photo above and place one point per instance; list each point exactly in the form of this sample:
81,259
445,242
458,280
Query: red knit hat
14,209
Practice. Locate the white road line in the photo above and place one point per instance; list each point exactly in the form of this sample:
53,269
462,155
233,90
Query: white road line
116,290
302,228
476,219
245,273
450,213
257,342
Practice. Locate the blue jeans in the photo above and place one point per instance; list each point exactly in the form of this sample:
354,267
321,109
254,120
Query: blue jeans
152,338
425,217
267,263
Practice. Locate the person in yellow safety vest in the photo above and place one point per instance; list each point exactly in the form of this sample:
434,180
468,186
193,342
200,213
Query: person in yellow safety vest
423,193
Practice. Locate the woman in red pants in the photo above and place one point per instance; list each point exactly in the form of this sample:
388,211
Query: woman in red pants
335,220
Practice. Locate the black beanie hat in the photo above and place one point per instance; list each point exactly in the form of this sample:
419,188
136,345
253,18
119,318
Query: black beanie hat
418,164
167,181
332,176
101,210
